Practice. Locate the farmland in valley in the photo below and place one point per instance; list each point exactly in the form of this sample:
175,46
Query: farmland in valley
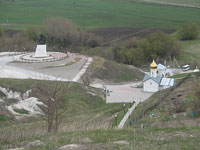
95,13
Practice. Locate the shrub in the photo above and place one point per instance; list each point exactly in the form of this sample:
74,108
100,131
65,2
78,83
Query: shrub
32,33
156,45
188,31
17,43
60,32
3,118
159,44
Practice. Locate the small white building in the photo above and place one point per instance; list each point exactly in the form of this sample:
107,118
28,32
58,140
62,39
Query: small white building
163,71
156,80
151,84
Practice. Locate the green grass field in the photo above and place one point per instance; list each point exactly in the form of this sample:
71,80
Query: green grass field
185,138
155,139
110,71
190,53
95,13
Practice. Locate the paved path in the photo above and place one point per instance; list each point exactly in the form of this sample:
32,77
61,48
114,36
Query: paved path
83,70
12,71
126,93
32,74
125,118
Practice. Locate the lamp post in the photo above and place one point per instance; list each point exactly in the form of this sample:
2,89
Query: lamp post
136,83
124,105
116,119
105,91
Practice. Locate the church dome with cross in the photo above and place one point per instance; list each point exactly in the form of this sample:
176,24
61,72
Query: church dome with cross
153,65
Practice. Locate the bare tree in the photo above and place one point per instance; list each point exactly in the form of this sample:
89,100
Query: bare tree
16,43
60,31
52,97
32,33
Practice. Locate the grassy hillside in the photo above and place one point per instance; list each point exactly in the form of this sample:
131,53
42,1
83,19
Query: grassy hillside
95,13
190,53
88,117
111,71
85,109
155,139
175,110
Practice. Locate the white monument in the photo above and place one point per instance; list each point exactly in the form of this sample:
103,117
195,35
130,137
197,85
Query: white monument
41,51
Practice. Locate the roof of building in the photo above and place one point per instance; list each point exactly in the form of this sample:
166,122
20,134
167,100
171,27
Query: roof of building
157,79
153,64
169,71
167,82
161,67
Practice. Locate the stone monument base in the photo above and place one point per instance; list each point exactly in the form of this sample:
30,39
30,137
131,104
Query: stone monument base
41,51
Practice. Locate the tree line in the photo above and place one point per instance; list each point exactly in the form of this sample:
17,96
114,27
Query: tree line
158,45
62,35
137,52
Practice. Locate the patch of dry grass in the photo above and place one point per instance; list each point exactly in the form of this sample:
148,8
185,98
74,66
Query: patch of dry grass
110,71
63,65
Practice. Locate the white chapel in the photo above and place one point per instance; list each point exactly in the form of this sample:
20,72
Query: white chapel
156,79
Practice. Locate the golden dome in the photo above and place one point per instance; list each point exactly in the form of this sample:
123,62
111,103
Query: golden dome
153,65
